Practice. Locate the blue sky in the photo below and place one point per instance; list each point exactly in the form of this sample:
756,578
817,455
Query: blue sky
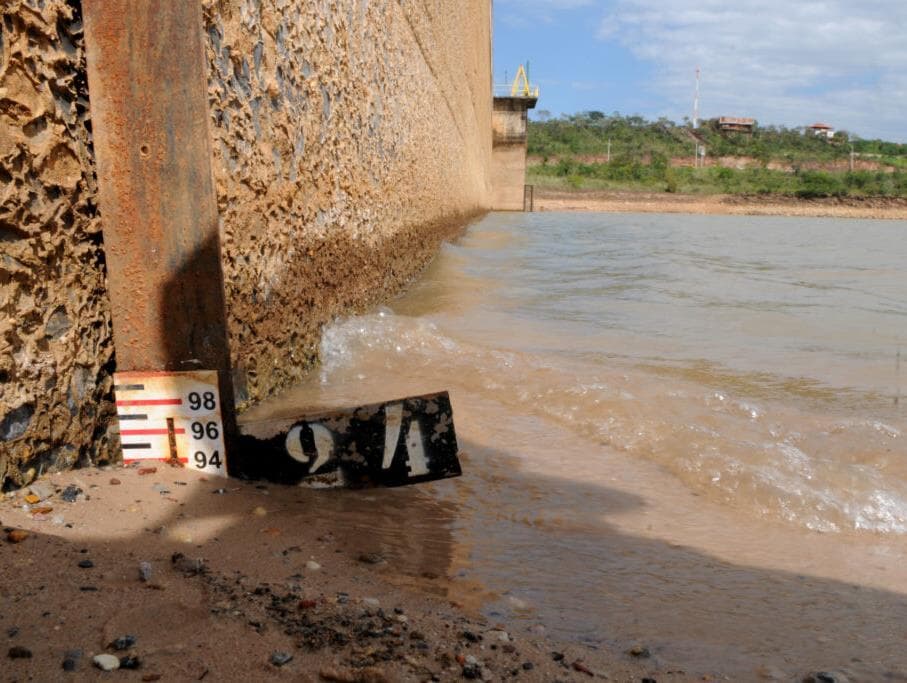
780,61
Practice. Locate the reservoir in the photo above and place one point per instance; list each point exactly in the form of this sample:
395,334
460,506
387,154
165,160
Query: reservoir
682,432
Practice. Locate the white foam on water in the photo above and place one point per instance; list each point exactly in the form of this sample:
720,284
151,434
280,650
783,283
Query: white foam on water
767,459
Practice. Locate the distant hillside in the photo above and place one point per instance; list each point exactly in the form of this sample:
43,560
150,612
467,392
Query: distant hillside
573,151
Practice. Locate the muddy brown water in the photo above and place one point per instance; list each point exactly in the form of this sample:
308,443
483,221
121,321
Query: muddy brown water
680,431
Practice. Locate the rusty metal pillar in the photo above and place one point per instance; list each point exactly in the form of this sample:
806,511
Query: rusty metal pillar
149,110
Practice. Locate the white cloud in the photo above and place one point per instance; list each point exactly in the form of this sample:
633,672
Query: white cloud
781,61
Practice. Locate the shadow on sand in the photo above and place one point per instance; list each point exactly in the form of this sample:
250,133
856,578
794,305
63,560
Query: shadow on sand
596,585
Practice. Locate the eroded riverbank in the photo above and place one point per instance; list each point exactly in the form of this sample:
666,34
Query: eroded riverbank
547,199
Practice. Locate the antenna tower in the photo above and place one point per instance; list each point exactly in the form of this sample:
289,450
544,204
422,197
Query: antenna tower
696,102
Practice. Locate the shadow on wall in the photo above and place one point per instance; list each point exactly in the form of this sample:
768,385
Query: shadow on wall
193,312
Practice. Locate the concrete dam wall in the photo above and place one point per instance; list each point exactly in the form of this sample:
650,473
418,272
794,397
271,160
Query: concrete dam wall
350,137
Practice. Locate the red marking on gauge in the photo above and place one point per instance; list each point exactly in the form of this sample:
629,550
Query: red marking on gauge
152,402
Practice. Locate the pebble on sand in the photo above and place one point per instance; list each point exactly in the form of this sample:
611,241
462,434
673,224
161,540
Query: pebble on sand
41,489
123,642
130,662
281,658
145,571
371,558
71,660
71,493
19,652
16,535
640,652
106,662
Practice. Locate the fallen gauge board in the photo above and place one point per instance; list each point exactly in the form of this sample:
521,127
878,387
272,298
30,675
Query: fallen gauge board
395,443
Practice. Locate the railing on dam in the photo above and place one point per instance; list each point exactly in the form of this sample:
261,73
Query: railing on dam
520,86
512,90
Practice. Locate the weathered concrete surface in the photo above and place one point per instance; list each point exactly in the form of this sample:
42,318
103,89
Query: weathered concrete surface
349,137
55,344
510,130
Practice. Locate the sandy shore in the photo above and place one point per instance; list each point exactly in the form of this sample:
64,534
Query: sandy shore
663,202
238,578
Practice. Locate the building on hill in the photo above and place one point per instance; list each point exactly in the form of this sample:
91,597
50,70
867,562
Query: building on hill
822,130
736,124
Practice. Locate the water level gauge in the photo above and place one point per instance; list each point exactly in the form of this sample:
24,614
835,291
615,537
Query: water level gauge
171,416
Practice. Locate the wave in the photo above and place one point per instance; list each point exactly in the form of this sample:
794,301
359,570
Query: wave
746,449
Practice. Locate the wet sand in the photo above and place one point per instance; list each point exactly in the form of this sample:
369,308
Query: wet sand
238,572
750,205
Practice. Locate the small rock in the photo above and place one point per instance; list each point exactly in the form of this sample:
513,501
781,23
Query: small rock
187,565
71,493
371,558
307,604
106,662
498,634
371,602
343,598
516,603
312,565
472,671
259,511
639,651
647,679
71,660
528,666
86,564
416,635
144,471
145,572
42,489
130,662
19,652
826,677
115,482
123,642
281,658
219,492
471,637
557,656
16,535
151,677
12,631
32,499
